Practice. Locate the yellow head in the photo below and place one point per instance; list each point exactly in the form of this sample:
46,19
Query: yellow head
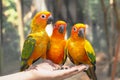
78,30
59,29
41,19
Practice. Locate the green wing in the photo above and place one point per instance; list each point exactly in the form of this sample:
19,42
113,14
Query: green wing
90,52
28,48
91,55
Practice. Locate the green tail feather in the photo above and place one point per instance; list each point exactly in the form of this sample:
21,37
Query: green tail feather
24,66
91,73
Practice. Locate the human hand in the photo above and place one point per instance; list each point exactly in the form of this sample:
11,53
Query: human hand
50,71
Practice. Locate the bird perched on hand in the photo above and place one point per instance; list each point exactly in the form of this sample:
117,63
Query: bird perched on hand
56,51
80,51
35,45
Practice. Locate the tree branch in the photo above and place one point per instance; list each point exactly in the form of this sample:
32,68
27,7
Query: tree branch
20,24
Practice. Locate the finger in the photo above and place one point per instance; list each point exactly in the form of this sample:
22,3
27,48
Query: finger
52,64
81,67
60,74
69,72
62,67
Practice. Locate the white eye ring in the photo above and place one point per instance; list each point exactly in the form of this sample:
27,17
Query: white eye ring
43,16
75,29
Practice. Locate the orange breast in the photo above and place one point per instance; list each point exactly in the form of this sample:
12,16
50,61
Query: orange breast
56,52
55,57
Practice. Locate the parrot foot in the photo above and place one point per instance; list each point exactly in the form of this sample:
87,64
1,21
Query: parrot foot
61,68
58,68
64,67
31,67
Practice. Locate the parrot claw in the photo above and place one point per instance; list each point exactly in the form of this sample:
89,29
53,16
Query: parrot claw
64,67
61,68
57,69
31,67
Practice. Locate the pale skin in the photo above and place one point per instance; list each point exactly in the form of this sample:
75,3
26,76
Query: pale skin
45,71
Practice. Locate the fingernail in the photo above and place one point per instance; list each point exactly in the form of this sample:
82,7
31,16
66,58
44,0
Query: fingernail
76,70
84,67
87,66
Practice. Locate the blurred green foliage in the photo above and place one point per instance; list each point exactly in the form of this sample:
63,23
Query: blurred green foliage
9,10
10,36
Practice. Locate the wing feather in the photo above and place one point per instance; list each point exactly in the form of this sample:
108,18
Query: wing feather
90,52
27,51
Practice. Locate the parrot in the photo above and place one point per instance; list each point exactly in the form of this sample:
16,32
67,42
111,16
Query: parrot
80,50
35,45
56,51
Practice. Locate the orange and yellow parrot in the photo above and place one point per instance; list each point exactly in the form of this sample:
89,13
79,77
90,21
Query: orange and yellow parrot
56,51
35,45
80,51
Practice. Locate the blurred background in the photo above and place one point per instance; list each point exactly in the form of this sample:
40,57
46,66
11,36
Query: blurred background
102,18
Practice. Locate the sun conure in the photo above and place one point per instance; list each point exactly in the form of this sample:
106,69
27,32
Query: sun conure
56,51
35,45
80,51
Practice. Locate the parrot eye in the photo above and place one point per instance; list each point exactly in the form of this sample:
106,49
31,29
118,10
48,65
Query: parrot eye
75,29
43,16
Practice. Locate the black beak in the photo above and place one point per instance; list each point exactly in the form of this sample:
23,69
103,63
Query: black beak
50,19
81,33
61,29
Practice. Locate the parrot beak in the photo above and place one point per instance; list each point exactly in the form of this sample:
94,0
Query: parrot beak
50,19
61,29
81,33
